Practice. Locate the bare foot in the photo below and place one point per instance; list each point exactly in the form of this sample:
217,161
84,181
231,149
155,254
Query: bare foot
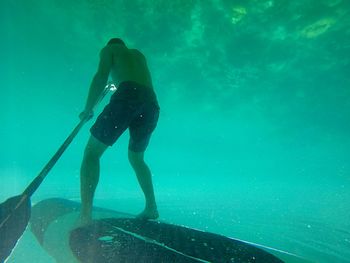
83,221
148,214
80,222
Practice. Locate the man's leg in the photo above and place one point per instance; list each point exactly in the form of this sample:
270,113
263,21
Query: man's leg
89,176
144,177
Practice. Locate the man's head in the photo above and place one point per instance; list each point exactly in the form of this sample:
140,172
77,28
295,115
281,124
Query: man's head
116,41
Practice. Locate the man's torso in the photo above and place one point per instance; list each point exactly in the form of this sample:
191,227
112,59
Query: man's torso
129,65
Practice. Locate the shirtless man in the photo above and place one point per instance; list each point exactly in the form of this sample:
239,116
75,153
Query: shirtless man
133,106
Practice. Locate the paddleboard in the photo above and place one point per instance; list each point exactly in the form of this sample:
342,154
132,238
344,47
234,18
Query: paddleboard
134,240
119,237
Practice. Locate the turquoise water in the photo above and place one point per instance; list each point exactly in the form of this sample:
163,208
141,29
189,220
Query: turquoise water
253,138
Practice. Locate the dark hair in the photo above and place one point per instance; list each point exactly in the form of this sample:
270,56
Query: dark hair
116,41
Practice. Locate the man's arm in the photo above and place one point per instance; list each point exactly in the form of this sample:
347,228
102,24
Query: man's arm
100,79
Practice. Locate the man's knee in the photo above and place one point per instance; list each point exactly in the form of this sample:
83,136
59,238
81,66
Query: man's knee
94,149
91,154
136,158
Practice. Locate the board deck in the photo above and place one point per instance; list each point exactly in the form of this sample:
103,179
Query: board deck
135,240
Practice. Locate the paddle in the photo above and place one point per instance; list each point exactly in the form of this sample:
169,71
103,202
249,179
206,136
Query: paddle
15,211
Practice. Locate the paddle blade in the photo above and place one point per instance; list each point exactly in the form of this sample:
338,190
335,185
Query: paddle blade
14,217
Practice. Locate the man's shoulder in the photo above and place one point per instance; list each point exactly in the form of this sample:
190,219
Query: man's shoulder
116,50
137,53
105,51
112,49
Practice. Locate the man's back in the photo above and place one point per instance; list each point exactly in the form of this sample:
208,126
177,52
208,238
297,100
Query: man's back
128,65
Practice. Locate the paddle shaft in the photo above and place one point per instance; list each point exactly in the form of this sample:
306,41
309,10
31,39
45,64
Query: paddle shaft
34,185
15,211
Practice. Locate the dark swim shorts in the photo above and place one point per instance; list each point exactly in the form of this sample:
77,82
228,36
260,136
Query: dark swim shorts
132,106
